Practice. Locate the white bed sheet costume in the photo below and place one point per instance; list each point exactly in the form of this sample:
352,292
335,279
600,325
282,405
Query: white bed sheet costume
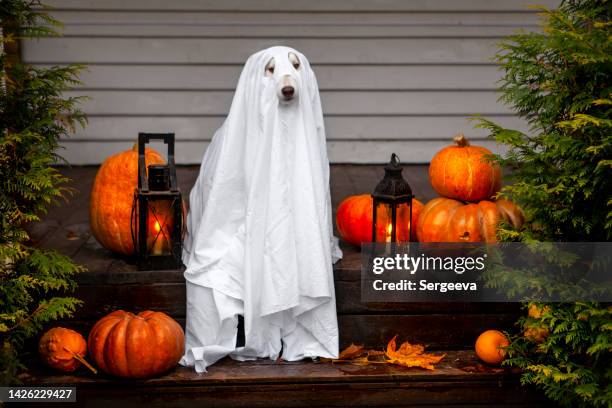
259,231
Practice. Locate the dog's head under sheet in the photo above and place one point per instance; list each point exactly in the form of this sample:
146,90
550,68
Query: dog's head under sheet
284,67
278,74
277,107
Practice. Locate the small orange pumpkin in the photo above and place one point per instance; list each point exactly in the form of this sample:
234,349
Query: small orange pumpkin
63,349
462,172
112,195
446,220
532,331
490,346
354,219
136,346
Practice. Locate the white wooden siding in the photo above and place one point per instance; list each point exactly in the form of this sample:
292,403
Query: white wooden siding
395,76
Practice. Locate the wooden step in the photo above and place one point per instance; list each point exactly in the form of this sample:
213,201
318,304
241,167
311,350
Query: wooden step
459,380
113,282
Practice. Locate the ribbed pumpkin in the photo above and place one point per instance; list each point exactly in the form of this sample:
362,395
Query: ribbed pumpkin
136,346
112,195
62,349
462,172
446,220
354,219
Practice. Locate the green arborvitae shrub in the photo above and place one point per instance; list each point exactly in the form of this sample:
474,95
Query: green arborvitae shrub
559,80
33,117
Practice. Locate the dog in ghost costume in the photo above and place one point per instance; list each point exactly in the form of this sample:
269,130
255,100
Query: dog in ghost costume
259,238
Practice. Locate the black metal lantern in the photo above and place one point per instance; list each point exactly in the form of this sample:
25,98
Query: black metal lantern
392,206
157,212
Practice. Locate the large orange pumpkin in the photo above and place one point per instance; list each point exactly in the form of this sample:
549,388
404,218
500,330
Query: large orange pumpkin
354,219
136,346
112,195
446,220
463,172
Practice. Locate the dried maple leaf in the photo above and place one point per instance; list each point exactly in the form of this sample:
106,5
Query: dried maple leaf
71,235
351,352
361,361
406,349
480,368
409,355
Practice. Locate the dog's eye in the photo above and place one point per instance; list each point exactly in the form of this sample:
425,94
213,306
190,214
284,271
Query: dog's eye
270,67
295,61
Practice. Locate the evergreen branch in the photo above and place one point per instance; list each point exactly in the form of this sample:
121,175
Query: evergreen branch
34,116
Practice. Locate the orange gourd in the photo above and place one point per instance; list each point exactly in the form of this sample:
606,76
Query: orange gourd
490,346
112,195
462,172
354,219
532,331
136,346
446,220
63,349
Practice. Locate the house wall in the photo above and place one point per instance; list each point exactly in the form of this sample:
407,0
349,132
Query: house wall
395,76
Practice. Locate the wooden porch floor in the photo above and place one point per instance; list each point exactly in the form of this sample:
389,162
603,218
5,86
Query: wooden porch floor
112,282
459,380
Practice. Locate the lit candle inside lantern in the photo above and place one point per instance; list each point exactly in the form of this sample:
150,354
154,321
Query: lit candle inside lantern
158,244
389,231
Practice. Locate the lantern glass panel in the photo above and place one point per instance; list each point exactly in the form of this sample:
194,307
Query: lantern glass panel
384,222
160,227
403,222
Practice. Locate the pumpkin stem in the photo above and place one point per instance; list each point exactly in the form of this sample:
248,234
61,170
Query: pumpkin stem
460,140
135,147
81,360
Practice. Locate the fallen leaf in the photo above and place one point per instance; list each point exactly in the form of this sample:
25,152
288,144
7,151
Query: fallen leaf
351,352
479,368
407,355
71,235
374,353
406,349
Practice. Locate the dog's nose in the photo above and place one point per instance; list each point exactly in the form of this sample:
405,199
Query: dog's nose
288,91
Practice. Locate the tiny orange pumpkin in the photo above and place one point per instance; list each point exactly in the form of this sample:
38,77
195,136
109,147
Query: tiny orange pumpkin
532,331
490,346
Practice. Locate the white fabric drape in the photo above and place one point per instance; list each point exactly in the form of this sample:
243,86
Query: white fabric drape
259,231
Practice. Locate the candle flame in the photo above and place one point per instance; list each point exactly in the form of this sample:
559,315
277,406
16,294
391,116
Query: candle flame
389,231
157,226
